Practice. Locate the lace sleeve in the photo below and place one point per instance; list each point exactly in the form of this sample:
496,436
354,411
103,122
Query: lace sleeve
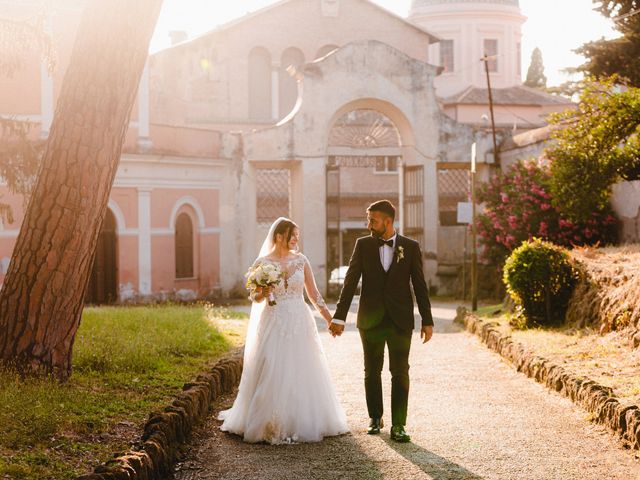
312,289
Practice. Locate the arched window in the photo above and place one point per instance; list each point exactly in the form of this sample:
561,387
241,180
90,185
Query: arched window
259,84
184,246
288,86
327,49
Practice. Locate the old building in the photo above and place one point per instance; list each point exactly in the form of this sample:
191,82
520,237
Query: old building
307,108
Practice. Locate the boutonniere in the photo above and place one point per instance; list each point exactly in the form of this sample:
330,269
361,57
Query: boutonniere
399,254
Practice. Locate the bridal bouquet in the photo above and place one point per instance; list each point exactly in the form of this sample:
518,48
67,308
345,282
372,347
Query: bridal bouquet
264,275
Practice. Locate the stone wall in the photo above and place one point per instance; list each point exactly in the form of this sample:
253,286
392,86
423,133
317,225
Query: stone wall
625,200
155,454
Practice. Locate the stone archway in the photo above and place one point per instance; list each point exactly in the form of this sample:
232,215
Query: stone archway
103,283
364,162
364,75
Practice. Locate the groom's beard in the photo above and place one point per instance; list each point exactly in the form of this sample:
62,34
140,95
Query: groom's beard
376,233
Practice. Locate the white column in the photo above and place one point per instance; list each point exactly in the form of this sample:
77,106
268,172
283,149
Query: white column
311,195
143,109
46,100
144,241
275,92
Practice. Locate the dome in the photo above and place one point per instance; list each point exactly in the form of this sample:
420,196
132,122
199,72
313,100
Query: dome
416,4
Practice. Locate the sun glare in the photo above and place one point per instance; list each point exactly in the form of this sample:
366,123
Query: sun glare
555,27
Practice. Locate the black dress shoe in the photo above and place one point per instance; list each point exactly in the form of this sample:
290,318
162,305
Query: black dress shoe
374,426
399,435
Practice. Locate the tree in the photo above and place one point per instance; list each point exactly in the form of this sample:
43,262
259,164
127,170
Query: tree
535,75
42,297
594,146
620,55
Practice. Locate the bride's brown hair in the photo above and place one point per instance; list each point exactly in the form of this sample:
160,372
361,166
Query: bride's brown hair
285,228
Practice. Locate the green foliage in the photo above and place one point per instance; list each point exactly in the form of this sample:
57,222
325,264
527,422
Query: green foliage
595,145
535,75
127,362
618,56
540,278
518,207
567,89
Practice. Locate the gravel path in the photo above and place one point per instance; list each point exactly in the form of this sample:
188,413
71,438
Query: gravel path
471,417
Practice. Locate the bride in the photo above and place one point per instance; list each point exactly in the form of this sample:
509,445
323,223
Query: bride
285,394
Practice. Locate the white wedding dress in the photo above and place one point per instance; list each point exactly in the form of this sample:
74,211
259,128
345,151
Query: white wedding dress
286,394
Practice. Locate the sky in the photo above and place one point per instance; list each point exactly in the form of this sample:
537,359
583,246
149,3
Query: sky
555,26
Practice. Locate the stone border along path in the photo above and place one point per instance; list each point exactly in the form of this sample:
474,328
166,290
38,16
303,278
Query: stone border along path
155,455
597,399
472,416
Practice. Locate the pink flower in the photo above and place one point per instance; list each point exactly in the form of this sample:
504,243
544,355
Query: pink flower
563,223
545,206
543,230
504,197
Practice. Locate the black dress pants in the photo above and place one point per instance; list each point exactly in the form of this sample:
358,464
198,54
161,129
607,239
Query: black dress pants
398,343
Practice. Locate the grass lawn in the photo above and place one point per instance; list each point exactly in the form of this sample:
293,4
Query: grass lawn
127,362
607,359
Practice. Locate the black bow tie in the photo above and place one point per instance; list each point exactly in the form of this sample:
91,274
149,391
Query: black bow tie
382,242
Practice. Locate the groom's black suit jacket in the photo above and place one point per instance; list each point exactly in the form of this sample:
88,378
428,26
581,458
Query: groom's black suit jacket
385,291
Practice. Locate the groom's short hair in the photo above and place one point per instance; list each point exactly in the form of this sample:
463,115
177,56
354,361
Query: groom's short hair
384,206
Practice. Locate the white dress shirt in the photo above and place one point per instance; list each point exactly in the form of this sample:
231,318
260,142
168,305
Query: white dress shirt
386,253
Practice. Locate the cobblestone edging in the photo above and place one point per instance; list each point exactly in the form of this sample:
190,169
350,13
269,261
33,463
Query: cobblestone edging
154,455
595,398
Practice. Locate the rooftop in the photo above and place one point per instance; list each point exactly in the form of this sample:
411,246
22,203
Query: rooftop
518,95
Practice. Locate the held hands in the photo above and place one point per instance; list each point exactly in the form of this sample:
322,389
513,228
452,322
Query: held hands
335,329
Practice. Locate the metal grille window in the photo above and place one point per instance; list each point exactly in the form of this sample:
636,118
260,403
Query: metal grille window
446,55
453,187
388,164
272,194
491,50
184,246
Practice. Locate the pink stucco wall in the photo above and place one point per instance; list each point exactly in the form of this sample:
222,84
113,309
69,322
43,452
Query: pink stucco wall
206,244
127,201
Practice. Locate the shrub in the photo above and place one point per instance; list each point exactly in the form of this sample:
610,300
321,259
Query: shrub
518,206
594,146
540,278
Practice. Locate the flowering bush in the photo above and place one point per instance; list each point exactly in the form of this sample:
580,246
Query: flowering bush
519,207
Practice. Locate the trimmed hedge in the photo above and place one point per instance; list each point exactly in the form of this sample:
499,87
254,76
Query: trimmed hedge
540,278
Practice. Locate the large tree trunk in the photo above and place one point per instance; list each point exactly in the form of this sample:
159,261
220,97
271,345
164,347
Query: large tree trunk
42,296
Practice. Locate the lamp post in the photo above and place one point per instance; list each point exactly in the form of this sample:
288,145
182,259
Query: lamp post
474,252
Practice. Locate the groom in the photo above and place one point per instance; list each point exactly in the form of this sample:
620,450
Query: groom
386,262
